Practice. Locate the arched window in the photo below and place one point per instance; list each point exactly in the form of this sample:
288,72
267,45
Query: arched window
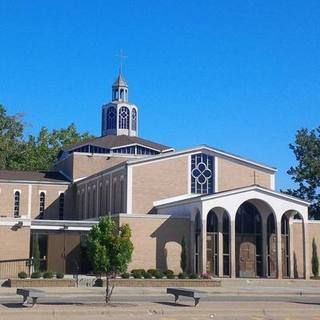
124,118
212,244
17,204
61,206
134,119
42,202
226,244
111,118
121,94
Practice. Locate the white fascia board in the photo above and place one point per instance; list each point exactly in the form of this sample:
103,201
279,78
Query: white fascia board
199,149
34,182
234,192
174,199
148,216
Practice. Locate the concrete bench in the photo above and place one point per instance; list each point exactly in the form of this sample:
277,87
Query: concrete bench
195,294
32,293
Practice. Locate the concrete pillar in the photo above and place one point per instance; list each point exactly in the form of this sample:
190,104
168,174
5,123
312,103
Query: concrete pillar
291,255
264,247
220,244
233,248
192,247
279,252
203,260
306,248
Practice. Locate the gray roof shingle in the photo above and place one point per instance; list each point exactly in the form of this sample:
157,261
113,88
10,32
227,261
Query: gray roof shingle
41,176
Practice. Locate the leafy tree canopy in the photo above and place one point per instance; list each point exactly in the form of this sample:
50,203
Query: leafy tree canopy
307,171
109,247
36,152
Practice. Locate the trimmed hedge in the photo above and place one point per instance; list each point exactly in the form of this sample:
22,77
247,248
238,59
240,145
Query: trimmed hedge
48,275
59,275
183,275
125,275
22,275
138,273
36,275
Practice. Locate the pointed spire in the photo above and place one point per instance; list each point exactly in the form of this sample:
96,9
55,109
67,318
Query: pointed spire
120,81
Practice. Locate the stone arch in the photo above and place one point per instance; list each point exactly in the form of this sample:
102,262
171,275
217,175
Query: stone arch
218,242
293,244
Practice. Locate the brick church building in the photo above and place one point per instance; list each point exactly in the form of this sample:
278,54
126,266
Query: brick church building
225,207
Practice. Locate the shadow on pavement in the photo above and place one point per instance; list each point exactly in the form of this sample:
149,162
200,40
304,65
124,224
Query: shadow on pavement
172,304
306,302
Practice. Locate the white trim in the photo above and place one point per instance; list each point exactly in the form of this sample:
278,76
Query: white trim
171,202
189,174
14,221
149,216
216,174
29,200
129,190
201,148
175,199
272,181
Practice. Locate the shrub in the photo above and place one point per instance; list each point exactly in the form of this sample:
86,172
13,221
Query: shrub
183,275
147,275
158,274
170,276
152,272
36,275
205,275
168,272
22,275
59,275
193,276
48,275
137,273
125,275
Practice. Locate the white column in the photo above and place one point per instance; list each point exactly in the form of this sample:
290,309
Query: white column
279,252
203,260
220,244
291,256
264,247
233,248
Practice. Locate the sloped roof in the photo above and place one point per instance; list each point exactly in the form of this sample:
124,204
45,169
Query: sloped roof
110,142
41,176
120,82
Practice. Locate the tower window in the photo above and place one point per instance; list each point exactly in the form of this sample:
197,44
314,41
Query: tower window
61,206
16,204
111,118
201,173
134,119
42,201
124,118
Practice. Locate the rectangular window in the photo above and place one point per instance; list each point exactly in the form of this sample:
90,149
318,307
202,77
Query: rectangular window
16,204
61,206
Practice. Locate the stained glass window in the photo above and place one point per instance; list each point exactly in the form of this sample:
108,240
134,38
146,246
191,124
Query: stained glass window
201,173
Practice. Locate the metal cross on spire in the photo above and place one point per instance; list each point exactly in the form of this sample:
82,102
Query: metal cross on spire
121,57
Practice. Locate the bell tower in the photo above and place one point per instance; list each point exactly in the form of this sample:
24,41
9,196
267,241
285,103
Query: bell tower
119,117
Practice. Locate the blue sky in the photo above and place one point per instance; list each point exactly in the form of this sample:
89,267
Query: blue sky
242,75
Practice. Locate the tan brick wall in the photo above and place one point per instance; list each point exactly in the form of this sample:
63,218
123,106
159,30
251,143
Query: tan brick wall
158,180
298,249
15,244
104,203
314,232
7,199
84,165
233,174
51,200
157,242
56,244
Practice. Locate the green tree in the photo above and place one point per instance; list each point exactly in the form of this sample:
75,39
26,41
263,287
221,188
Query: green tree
11,135
109,249
40,152
183,258
315,259
306,174
36,254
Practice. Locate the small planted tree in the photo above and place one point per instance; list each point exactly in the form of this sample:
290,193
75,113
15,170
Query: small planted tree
109,250
315,259
183,261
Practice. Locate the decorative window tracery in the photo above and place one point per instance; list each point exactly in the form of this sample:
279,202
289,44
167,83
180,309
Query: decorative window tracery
111,118
201,173
42,200
124,118
134,119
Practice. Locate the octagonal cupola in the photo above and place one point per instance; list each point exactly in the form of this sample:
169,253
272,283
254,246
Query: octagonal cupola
119,117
